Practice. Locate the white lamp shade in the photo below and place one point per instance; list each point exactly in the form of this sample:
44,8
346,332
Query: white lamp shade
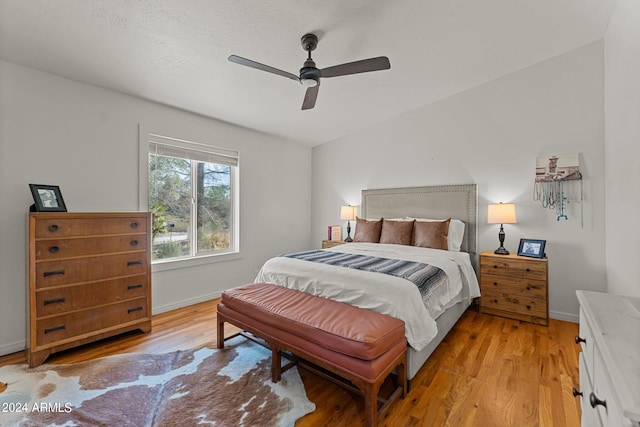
503,213
348,213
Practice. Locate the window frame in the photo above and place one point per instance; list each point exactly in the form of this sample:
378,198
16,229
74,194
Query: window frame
146,138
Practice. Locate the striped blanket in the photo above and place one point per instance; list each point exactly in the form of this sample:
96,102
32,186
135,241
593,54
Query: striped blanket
424,276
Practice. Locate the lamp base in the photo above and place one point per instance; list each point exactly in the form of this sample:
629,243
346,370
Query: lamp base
501,251
348,239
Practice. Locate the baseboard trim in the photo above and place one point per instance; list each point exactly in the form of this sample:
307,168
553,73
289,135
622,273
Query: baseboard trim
558,315
13,347
184,303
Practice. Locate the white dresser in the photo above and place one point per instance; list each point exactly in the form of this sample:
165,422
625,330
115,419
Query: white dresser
610,360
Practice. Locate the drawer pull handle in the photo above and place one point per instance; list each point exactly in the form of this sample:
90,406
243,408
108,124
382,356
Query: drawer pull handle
137,285
55,328
576,393
53,300
131,310
579,340
53,228
595,401
134,243
495,283
54,249
53,273
137,262
134,225
528,307
495,300
495,266
527,269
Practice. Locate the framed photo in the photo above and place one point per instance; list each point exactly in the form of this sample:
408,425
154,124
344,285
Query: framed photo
336,232
47,198
532,248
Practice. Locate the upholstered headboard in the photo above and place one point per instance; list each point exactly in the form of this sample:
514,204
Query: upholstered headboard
437,202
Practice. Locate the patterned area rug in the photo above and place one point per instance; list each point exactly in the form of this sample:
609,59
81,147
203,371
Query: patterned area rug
229,387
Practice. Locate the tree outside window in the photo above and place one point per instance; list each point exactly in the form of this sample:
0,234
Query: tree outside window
191,203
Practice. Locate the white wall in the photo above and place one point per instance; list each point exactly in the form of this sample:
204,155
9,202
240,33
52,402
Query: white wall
491,135
85,139
622,150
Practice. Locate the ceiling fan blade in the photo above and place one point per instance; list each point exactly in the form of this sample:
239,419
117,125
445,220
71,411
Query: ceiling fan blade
262,67
362,66
310,97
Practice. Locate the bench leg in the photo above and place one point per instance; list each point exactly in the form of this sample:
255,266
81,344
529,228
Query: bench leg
220,340
276,363
401,371
373,413
371,404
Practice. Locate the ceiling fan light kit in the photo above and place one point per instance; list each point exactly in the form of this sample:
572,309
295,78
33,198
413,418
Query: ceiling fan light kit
310,75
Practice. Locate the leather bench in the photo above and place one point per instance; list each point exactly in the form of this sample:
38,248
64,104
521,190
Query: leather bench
358,345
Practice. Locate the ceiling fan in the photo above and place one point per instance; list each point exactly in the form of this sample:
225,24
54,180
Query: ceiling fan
310,75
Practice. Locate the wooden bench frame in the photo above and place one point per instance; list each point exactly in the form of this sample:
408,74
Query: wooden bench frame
370,390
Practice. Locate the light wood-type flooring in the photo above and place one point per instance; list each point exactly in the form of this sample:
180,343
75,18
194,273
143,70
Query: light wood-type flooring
488,372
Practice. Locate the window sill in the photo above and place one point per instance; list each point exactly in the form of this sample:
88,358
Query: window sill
173,264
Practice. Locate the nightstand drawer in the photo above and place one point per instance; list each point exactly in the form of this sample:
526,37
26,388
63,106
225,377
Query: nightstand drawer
526,287
513,304
514,268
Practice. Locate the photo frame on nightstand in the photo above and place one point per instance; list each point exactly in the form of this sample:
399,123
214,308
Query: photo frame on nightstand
532,248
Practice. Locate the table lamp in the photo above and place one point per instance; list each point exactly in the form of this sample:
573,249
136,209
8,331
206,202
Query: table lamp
502,213
348,213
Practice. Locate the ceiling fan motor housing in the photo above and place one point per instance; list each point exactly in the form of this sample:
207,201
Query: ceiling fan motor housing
309,74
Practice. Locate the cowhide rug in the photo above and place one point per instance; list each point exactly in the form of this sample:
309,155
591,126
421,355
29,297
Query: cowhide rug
229,387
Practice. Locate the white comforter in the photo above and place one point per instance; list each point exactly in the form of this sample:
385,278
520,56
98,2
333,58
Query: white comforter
379,292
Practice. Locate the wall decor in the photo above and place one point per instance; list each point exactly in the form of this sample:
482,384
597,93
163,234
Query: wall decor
558,182
532,248
47,198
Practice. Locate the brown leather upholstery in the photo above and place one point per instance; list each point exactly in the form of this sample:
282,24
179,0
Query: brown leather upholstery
332,325
361,346
367,370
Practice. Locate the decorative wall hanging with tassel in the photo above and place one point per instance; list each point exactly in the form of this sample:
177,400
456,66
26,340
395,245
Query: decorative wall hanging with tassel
558,182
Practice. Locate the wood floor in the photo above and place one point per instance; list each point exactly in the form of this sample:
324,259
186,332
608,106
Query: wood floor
488,372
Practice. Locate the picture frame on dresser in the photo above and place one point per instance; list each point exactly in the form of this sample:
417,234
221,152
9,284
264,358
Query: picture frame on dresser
532,248
47,198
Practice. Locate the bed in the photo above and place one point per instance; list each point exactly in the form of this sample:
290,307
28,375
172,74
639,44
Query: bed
429,311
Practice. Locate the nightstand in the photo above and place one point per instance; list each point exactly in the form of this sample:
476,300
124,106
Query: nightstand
331,243
515,287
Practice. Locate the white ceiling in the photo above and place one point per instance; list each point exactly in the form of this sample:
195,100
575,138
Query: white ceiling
175,51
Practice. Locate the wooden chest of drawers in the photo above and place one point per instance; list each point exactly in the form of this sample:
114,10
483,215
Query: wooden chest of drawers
89,278
515,287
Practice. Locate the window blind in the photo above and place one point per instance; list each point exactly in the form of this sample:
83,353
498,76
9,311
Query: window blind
172,147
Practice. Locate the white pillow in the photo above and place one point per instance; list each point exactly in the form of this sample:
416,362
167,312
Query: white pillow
455,234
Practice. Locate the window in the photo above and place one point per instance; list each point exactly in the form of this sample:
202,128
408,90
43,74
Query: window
192,199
